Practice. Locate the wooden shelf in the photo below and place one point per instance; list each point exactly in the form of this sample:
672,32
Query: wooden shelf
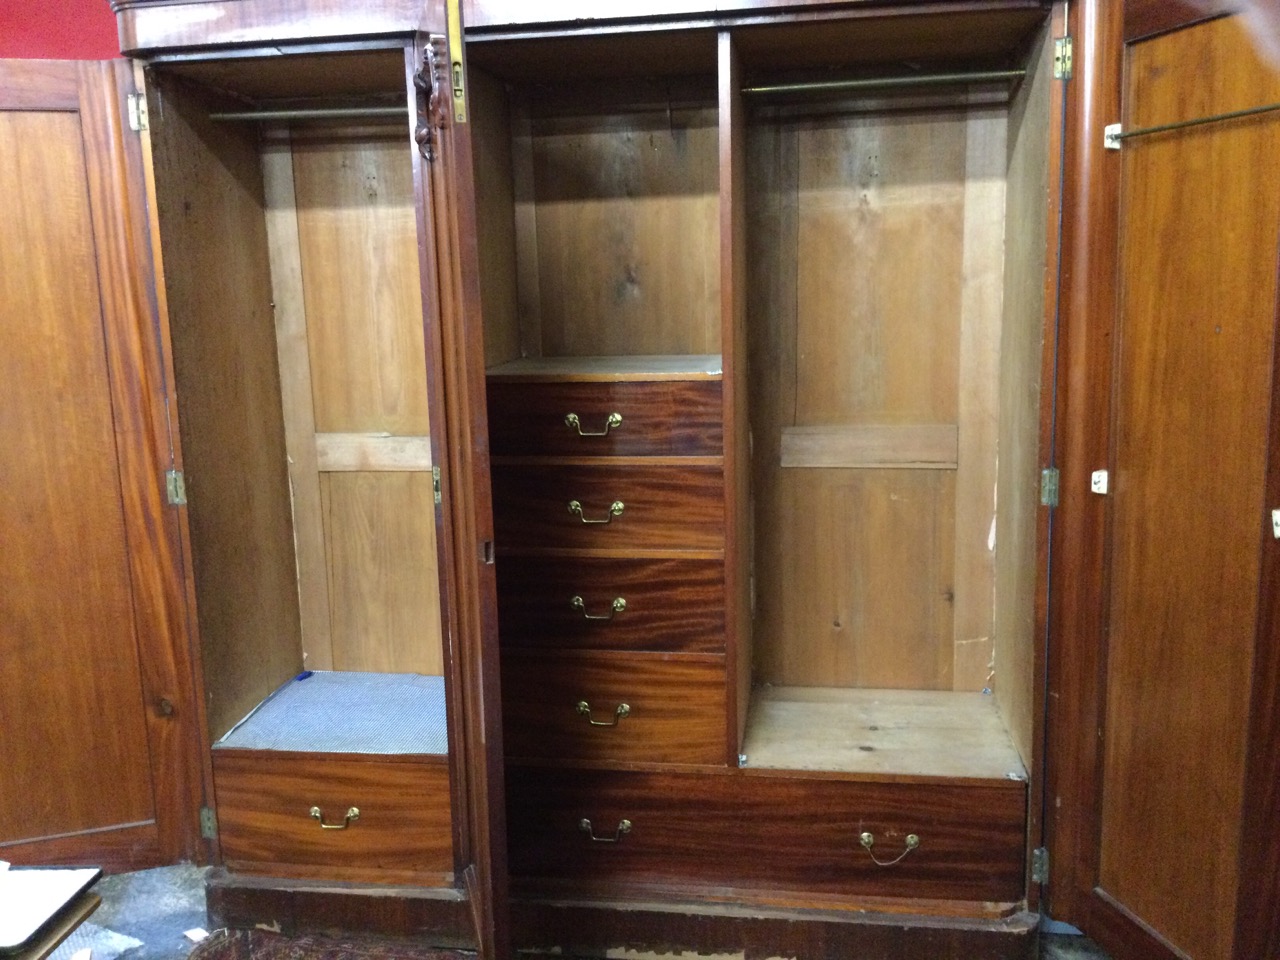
610,369
907,732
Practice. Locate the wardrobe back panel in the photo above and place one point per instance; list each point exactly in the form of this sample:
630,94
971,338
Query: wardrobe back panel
209,189
624,232
358,238
874,314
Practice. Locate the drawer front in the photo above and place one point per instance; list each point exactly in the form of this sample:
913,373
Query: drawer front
768,834
612,604
265,804
673,418
674,711
658,508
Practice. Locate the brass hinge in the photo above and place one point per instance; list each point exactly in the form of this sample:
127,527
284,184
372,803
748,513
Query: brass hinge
175,486
1063,57
457,76
136,105
208,823
435,482
1049,483
1040,866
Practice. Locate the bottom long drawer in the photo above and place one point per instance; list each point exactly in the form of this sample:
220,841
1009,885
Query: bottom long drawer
334,816
774,833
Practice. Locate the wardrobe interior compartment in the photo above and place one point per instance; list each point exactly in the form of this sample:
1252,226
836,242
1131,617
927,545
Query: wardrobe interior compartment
290,249
894,297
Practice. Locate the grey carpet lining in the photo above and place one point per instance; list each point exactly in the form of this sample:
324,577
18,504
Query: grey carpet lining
342,712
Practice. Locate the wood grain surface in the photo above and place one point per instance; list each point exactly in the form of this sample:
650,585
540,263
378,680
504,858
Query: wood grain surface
358,240
384,582
265,825
902,338
676,708
625,209
210,210
69,643
739,831
666,508
663,418
671,605
1198,287
147,26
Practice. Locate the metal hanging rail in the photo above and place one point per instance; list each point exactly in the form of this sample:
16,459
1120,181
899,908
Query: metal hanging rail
1198,122
882,83
311,113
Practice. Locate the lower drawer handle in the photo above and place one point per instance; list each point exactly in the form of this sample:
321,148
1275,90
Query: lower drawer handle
573,423
623,828
584,710
869,840
619,604
353,814
615,510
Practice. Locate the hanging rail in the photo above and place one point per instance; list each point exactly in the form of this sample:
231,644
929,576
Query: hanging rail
309,113
880,83
1198,122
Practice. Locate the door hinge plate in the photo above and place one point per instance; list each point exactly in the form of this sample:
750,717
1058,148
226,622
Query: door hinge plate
1049,482
1063,58
1040,866
208,823
136,105
435,482
175,486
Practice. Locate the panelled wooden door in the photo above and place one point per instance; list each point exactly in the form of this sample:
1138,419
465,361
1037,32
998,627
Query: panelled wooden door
96,710
1173,853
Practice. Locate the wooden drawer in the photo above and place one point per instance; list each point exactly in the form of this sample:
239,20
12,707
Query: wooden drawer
659,418
768,834
667,605
675,710
663,508
265,825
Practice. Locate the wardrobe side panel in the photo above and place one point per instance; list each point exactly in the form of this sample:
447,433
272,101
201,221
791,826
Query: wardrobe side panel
1021,349
209,196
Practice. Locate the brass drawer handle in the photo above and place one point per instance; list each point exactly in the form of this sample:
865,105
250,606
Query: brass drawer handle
623,828
353,814
615,510
618,605
869,840
613,420
584,710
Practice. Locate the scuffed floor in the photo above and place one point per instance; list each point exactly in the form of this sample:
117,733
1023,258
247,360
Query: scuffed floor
157,907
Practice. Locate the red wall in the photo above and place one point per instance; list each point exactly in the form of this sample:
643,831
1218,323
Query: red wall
58,29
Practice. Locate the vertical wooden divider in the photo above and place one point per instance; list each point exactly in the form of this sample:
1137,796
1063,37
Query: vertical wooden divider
733,345
295,393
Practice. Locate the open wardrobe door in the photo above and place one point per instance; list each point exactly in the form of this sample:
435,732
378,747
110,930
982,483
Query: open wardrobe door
1164,673
99,720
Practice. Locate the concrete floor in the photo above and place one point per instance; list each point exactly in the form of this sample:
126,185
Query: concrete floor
158,906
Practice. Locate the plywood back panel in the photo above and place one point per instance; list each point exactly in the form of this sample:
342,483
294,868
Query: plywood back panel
210,211
1021,355
627,231
1197,328
874,308
357,231
383,577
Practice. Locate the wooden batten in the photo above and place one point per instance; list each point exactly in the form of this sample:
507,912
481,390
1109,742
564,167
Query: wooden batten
908,447
348,452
